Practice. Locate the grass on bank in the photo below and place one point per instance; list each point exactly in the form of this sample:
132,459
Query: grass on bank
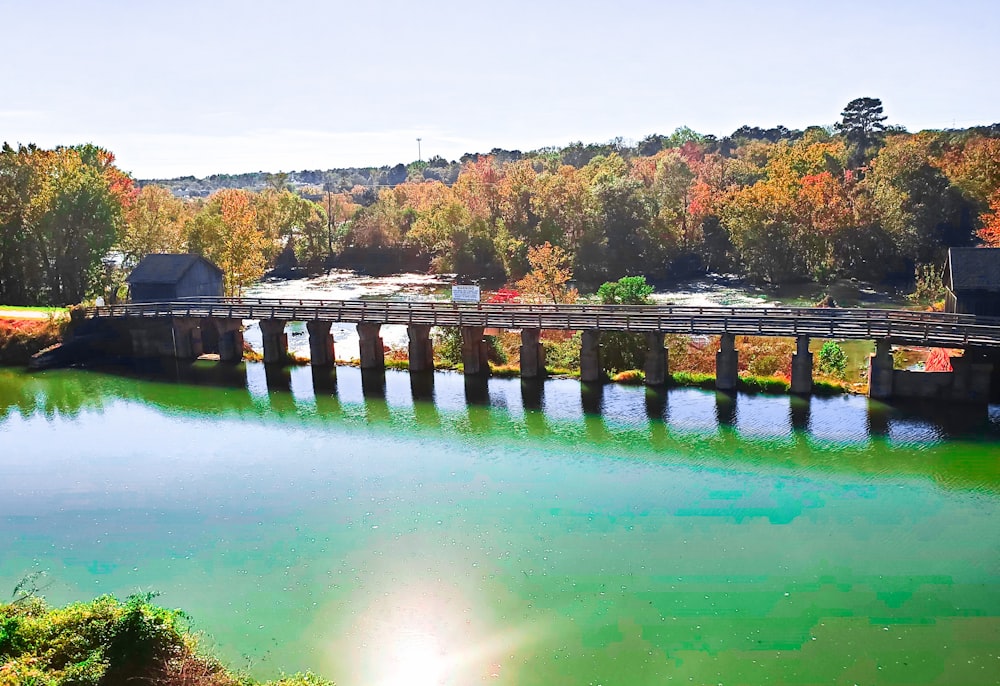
107,642
55,311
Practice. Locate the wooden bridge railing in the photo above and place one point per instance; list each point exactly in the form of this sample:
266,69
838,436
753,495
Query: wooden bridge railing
898,326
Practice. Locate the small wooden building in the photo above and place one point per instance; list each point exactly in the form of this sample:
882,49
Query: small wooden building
972,279
169,277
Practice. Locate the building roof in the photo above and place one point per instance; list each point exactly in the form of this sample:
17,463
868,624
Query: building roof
974,269
164,268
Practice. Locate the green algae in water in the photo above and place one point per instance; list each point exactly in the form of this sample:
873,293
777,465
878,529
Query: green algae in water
517,534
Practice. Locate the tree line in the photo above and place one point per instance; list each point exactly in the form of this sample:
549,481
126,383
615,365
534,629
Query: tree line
861,199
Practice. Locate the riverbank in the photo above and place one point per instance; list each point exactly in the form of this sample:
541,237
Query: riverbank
107,641
24,333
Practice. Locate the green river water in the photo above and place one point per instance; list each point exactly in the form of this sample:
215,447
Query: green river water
427,530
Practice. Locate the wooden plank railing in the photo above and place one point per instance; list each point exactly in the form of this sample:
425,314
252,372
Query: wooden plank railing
899,326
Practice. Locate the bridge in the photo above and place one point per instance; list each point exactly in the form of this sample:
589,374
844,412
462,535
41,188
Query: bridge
183,328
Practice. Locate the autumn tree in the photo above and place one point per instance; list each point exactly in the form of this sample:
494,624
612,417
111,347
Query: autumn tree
154,223
989,234
548,280
226,231
61,211
565,207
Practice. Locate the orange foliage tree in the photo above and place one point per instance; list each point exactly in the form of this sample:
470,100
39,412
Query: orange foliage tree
549,276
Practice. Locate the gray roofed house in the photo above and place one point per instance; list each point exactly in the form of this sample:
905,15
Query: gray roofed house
972,279
164,277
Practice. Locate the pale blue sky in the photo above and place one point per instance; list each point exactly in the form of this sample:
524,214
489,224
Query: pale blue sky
186,87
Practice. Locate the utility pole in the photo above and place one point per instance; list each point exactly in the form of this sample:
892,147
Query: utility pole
329,219
419,157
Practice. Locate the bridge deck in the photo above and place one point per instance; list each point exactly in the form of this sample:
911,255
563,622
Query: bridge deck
898,326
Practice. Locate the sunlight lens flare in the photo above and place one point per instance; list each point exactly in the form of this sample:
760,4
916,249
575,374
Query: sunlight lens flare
428,636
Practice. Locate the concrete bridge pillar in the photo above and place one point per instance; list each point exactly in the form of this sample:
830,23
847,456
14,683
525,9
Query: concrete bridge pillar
230,334
370,346
321,351
532,354
590,356
727,363
802,367
275,341
657,360
475,352
880,371
151,338
187,338
972,377
421,347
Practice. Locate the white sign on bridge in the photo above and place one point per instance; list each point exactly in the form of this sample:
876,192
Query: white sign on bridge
464,293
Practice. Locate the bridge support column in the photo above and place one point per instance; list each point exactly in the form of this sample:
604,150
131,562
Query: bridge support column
370,346
532,354
275,341
230,333
590,356
972,377
802,367
151,338
421,348
321,351
187,338
880,371
475,352
727,363
657,360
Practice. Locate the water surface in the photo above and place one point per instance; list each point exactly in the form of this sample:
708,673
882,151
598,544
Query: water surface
425,529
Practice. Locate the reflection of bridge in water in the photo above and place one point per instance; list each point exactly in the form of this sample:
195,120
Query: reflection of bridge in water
717,428
185,329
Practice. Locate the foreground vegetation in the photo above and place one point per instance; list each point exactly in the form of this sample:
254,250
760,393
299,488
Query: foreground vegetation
22,338
107,643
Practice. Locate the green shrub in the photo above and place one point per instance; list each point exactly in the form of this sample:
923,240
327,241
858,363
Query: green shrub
695,379
563,353
105,643
628,290
833,360
828,388
622,351
505,371
928,284
448,345
764,365
762,384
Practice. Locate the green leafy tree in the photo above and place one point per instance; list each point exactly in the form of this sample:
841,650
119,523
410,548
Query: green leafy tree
915,203
61,211
621,351
833,360
628,290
